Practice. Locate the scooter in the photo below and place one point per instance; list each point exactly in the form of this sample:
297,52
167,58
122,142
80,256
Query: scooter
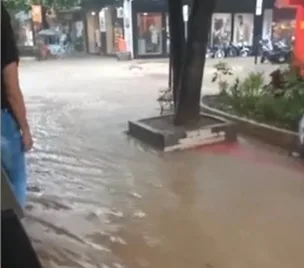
244,50
219,52
209,53
230,50
277,52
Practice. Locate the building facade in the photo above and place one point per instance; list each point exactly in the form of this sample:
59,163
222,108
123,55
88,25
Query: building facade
144,25
232,22
104,25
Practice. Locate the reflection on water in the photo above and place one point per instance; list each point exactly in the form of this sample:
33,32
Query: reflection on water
99,199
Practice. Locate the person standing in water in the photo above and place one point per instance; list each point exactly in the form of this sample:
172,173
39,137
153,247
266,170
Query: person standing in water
16,136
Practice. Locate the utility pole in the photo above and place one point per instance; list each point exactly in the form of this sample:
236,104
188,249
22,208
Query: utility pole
258,25
186,19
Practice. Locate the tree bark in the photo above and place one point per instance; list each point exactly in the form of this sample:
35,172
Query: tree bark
177,42
170,72
189,88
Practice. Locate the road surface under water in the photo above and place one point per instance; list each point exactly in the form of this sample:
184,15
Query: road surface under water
100,199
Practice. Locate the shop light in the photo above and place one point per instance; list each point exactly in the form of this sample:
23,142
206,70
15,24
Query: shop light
145,14
93,13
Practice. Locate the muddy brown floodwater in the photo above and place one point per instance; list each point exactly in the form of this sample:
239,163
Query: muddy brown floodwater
99,199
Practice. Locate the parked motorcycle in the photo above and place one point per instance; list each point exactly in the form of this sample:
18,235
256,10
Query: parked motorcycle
275,52
230,50
219,52
209,53
244,50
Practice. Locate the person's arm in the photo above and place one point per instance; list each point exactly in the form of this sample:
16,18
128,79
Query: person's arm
9,68
14,94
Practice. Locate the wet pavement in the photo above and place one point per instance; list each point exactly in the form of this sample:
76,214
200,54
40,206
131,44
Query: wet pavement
100,199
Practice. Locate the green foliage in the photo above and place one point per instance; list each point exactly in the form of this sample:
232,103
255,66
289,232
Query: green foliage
280,103
23,5
16,5
222,72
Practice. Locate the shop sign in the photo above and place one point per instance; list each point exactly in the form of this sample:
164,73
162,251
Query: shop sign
259,7
186,13
37,13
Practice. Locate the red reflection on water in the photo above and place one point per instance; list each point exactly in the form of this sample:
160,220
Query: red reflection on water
253,153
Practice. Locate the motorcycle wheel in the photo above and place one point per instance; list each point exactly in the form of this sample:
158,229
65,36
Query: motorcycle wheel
219,54
281,59
244,54
232,54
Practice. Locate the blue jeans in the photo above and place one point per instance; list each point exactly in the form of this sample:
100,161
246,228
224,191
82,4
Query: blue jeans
13,156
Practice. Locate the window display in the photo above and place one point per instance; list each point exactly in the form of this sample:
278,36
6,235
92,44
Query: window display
221,28
284,29
150,34
79,36
243,29
284,23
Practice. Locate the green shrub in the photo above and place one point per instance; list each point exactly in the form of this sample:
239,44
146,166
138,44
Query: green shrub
279,103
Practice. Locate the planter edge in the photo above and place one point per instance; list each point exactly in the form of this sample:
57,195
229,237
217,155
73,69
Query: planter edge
283,138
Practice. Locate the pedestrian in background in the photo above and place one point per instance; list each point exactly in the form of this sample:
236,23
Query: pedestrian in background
16,136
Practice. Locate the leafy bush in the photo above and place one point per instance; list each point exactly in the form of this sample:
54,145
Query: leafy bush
280,103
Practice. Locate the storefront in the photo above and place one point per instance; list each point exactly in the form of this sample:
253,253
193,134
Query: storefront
232,22
144,25
151,34
69,22
284,22
103,27
150,28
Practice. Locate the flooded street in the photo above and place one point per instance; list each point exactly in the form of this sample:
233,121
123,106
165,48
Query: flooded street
99,199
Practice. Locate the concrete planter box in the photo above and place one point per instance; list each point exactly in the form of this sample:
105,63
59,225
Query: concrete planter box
160,133
283,138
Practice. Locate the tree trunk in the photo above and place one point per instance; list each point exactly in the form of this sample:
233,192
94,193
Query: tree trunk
170,72
177,41
189,88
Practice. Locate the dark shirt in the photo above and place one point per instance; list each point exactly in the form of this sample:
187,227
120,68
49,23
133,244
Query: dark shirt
9,52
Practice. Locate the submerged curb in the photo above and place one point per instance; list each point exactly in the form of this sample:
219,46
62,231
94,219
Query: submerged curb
283,138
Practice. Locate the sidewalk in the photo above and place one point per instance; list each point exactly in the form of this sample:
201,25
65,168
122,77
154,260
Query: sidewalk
238,65
240,68
24,59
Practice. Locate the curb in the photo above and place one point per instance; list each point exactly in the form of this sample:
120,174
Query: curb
279,137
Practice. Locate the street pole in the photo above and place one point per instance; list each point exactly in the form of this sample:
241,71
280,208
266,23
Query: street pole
186,18
258,25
